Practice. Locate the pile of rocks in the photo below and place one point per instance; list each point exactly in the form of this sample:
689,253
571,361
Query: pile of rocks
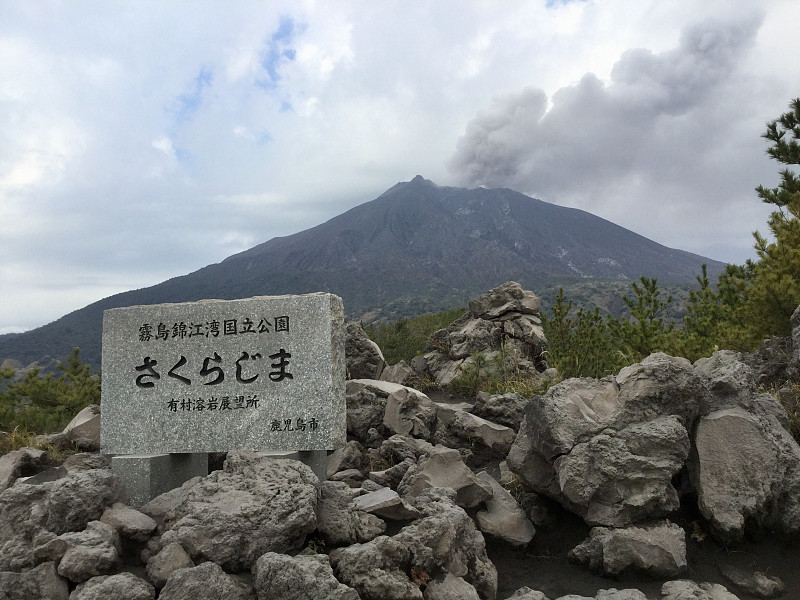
503,325
420,487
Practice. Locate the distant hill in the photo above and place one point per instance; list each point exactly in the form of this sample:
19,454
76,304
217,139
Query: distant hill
418,247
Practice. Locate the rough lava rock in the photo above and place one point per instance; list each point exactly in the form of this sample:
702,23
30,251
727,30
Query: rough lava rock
31,515
363,357
503,518
410,412
130,523
16,463
683,589
123,586
302,577
444,468
608,449
42,582
84,428
93,551
255,505
339,521
168,560
503,409
657,549
204,581
745,466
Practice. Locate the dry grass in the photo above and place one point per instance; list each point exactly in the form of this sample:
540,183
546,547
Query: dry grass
21,438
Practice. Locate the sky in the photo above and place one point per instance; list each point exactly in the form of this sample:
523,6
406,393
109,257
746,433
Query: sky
144,140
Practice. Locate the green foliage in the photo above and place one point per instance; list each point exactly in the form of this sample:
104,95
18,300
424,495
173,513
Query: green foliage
579,345
714,318
47,403
774,286
406,338
645,333
584,343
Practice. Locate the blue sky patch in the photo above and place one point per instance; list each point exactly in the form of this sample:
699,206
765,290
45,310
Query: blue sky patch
277,50
190,102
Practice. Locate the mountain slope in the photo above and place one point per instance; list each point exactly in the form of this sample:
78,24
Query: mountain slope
416,247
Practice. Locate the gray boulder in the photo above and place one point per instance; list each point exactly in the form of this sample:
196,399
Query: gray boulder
257,504
505,299
400,373
619,478
131,524
81,497
387,504
615,594
392,476
683,589
503,518
85,461
168,560
340,521
746,471
445,469
526,593
352,477
608,449
124,586
17,463
204,581
400,447
42,582
410,412
756,583
93,551
610,594
503,409
302,577
366,405
84,428
658,550
376,570
465,430
48,474
363,357
349,456
450,587
745,466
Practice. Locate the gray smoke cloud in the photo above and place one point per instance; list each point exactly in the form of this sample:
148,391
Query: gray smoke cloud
654,139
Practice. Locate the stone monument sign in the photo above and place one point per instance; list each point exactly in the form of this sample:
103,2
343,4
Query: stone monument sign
264,373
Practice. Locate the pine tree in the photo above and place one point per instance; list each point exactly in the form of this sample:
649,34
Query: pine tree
774,290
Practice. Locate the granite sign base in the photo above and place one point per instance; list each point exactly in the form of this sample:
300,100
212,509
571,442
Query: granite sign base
149,475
